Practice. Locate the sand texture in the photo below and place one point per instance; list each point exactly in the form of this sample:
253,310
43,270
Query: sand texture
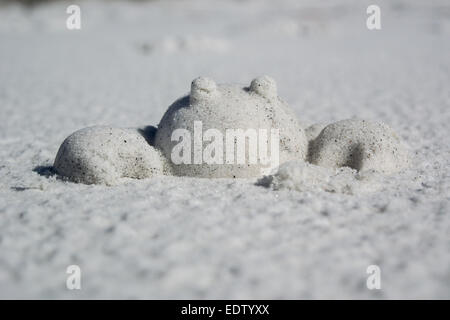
181,237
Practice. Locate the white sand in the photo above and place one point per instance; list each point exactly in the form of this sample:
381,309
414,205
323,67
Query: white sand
303,176
171,237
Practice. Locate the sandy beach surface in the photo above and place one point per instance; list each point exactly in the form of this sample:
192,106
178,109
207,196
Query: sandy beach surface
169,237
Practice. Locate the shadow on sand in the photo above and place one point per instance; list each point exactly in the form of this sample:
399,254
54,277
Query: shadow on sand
46,171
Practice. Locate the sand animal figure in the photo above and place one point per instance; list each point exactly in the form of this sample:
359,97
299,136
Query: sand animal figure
226,131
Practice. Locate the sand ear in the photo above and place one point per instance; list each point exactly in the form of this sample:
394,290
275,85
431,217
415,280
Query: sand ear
203,88
264,86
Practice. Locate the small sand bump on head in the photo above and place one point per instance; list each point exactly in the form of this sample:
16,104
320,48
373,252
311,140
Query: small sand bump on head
264,86
203,87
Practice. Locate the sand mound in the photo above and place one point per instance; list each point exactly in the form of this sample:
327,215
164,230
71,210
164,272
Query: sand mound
103,155
361,145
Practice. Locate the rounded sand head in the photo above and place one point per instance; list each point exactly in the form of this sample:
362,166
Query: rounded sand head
254,111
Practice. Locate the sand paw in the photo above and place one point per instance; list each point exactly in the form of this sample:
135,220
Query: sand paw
361,145
103,155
